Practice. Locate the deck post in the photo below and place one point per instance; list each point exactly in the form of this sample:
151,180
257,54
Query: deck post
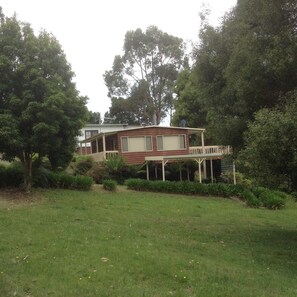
203,151
188,173
199,166
211,170
163,170
180,172
147,172
97,146
104,147
234,173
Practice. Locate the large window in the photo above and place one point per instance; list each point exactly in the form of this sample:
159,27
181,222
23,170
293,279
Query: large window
137,144
171,142
90,133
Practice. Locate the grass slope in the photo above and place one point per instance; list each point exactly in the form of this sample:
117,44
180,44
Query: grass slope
67,243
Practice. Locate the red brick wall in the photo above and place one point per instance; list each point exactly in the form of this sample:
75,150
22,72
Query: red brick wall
139,157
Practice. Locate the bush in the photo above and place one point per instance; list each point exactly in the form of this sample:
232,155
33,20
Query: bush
78,182
14,175
110,185
251,199
82,183
294,196
83,165
42,178
256,197
2,176
270,200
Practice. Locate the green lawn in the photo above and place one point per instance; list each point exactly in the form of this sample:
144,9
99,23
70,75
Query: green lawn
67,243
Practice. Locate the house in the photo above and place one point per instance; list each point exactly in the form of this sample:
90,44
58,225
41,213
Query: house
160,145
93,129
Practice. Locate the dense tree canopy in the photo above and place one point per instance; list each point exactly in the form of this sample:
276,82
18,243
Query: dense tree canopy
242,66
270,152
40,108
94,117
141,81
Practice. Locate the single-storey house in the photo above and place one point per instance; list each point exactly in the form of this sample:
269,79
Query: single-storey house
144,144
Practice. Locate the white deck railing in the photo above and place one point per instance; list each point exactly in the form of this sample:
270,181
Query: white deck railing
213,149
101,156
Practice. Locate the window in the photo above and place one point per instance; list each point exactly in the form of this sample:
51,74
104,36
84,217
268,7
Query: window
90,133
137,144
124,144
160,143
171,142
148,143
182,141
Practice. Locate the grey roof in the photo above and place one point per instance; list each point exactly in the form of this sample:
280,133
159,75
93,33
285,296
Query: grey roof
191,131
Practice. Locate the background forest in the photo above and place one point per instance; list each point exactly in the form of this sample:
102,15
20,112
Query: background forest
241,85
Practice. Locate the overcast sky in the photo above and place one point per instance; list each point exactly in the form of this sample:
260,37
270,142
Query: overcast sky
91,32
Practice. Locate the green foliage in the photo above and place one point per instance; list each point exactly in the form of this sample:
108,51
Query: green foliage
14,175
294,196
44,178
94,118
41,111
117,169
67,181
83,165
141,81
240,67
110,185
270,154
255,197
251,199
270,200
2,176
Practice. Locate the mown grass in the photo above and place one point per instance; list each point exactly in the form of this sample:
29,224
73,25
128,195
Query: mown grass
68,243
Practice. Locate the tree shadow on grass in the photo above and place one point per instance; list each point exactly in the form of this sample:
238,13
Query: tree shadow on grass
275,248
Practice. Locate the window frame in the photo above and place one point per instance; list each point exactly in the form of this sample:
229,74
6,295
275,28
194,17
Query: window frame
181,144
146,148
91,133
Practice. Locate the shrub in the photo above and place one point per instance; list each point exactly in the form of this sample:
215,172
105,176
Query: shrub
270,200
98,172
82,183
257,191
83,165
256,197
110,185
42,178
251,199
14,175
294,196
2,176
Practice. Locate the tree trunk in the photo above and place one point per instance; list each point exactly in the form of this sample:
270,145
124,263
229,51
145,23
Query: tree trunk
27,163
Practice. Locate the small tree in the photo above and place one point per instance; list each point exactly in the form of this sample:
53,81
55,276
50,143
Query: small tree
270,153
41,111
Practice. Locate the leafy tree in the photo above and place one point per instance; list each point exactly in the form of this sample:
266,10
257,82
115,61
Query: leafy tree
242,66
40,108
94,118
270,152
145,75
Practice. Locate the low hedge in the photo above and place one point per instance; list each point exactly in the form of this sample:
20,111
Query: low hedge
64,180
110,185
256,197
11,176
